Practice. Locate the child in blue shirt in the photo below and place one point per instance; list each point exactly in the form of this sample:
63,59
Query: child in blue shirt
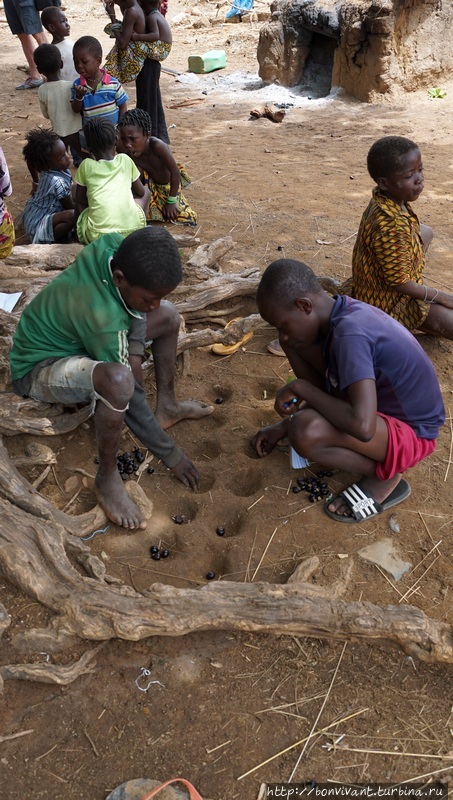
49,212
95,93
366,398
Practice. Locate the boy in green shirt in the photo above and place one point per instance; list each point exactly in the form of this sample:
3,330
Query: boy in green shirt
81,339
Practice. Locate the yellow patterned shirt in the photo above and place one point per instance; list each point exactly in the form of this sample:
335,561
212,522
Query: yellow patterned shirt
388,251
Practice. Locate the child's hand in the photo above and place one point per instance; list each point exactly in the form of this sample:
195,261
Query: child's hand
266,438
134,37
171,211
80,92
287,402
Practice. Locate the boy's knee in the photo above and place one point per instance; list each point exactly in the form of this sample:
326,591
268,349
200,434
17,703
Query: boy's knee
114,382
305,432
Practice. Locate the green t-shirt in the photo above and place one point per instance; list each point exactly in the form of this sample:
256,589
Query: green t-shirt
80,312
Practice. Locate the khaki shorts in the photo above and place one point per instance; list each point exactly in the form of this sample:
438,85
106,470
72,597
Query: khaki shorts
68,380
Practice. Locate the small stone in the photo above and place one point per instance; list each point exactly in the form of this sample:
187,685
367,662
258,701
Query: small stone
210,576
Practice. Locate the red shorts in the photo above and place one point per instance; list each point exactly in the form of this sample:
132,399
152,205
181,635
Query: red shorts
404,449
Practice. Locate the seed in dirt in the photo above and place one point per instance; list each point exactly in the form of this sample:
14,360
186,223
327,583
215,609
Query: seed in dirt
139,457
210,576
312,498
96,459
156,556
150,470
153,549
164,553
296,489
329,473
179,519
220,531
218,401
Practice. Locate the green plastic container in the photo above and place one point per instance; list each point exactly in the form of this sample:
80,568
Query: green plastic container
213,59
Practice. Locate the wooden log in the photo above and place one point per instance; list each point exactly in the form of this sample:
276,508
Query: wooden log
50,673
204,262
43,256
24,415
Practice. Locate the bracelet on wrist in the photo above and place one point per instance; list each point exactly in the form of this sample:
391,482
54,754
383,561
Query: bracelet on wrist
171,200
433,299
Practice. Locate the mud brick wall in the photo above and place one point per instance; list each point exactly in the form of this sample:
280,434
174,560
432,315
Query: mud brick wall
370,49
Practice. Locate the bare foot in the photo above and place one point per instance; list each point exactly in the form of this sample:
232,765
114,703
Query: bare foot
116,503
188,409
379,491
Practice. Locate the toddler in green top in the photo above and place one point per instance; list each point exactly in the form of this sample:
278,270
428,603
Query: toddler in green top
110,196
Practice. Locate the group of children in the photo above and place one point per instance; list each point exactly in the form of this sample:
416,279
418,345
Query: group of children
366,397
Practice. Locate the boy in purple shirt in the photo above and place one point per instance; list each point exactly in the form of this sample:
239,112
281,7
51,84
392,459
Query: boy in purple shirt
366,398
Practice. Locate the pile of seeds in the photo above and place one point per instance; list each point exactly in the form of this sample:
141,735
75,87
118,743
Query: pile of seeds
157,554
128,463
316,487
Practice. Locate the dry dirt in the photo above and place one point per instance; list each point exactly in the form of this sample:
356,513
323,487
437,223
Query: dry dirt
231,701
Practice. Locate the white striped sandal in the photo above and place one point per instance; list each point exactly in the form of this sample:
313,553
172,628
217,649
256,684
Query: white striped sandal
362,504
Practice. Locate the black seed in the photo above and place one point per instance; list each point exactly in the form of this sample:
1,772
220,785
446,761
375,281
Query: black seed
325,492
301,483
220,531
218,401
323,485
329,473
320,474
139,457
96,460
153,549
156,556
279,247
127,456
296,489
150,470
120,469
210,576
179,519
130,469
164,553
312,498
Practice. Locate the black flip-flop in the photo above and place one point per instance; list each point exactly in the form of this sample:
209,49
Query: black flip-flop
363,506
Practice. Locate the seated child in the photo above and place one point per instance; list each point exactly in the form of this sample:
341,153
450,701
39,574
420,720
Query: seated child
160,171
104,200
158,31
366,398
54,20
55,96
389,253
127,56
82,339
95,93
49,212
7,236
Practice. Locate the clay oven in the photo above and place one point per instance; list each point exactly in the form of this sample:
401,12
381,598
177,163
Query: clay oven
368,48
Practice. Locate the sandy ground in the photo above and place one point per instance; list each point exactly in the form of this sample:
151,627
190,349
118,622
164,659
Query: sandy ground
231,701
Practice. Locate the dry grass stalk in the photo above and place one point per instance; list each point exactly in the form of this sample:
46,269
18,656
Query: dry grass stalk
392,753
11,736
412,588
451,447
302,741
319,714
264,553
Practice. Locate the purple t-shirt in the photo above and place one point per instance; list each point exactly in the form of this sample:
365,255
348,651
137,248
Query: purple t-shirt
5,184
365,343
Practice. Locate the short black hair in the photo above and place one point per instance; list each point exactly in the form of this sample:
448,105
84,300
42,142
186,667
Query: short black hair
138,117
99,133
284,281
89,43
385,155
149,258
40,143
47,58
48,15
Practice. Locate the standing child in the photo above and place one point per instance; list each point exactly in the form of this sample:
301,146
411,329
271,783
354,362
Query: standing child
7,236
95,93
55,97
49,213
389,253
366,398
127,56
158,31
104,200
55,21
161,173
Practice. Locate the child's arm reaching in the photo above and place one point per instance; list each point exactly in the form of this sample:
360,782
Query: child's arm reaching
81,200
419,291
171,209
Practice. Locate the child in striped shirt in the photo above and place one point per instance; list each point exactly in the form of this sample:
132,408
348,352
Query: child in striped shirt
95,93
49,212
